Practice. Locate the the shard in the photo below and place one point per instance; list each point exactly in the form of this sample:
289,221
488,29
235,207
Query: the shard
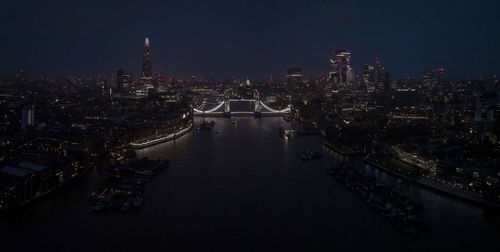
146,61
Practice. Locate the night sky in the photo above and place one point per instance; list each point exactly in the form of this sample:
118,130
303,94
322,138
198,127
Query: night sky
249,38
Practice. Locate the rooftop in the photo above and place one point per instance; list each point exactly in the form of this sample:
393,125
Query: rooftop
31,166
16,171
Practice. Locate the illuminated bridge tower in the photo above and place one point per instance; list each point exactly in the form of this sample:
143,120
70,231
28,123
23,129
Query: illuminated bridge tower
227,107
147,71
257,107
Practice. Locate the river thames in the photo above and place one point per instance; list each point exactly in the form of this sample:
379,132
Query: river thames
242,187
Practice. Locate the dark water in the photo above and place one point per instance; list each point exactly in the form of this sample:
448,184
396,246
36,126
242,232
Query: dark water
243,189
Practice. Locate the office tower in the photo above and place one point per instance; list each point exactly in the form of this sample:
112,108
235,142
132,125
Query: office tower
341,71
379,74
294,76
247,82
428,78
21,75
28,116
367,78
123,81
147,71
440,75
161,77
387,82
148,85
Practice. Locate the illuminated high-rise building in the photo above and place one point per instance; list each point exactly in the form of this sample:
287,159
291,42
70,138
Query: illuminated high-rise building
148,82
147,71
365,77
247,82
368,78
428,78
28,116
341,71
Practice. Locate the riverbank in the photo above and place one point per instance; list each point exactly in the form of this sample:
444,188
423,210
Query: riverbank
390,171
42,196
422,181
399,210
27,202
461,194
428,183
338,149
123,187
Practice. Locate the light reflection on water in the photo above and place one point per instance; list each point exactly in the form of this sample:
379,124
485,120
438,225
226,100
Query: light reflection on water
245,188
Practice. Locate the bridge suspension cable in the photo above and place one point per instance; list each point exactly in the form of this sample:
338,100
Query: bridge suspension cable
201,106
274,110
210,110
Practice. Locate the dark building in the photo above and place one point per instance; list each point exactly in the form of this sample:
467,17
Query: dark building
387,82
294,76
380,74
440,75
123,81
368,78
21,75
11,118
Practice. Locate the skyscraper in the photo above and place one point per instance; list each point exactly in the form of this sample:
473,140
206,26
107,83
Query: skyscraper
367,74
123,81
387,82
368,78
340,68
247,82
28,116
440,75
294,77
379,80
428,79
147,71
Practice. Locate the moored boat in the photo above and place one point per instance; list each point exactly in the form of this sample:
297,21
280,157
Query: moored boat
97,207
125,207
137,202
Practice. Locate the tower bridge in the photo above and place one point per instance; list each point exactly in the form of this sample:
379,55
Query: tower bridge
224,107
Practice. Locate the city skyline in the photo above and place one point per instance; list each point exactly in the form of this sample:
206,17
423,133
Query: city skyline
249,125
251,39
340,59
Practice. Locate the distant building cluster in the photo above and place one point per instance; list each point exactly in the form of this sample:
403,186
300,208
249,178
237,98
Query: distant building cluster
341,72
